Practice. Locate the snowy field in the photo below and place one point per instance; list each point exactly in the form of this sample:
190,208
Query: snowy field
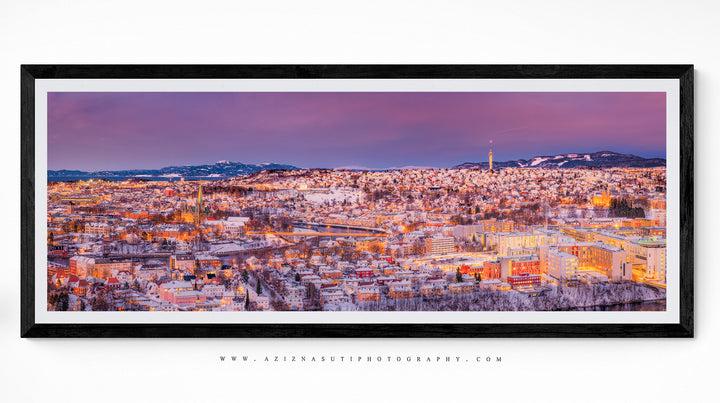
334,196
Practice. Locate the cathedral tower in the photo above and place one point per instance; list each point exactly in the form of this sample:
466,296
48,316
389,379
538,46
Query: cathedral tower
199,207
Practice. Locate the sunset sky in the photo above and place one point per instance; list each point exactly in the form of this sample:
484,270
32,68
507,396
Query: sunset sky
113,131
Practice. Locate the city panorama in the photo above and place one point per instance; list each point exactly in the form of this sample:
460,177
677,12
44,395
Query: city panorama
356,202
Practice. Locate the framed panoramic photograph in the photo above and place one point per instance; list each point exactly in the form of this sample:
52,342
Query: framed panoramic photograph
357,200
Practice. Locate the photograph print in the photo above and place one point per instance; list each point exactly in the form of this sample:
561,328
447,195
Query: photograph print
356,201
359,201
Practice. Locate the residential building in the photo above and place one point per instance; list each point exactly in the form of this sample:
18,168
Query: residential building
439,245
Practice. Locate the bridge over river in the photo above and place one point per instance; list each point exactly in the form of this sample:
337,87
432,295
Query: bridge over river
317,225
329,234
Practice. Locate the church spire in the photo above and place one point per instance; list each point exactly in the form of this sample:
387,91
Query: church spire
199,207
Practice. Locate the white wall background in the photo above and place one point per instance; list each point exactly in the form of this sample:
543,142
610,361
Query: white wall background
550,31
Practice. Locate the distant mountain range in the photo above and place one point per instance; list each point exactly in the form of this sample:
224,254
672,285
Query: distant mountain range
227,169
573,160
219,170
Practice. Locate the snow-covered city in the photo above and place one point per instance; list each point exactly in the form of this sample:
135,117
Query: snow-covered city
461,239
356,201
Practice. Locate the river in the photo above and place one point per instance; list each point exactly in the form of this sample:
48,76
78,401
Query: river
659,305
336,229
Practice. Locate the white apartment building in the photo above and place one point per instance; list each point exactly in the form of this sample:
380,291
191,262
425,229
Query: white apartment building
439,245
562,266
651,255
509,241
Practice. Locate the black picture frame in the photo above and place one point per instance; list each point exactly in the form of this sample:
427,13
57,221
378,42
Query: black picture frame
31,73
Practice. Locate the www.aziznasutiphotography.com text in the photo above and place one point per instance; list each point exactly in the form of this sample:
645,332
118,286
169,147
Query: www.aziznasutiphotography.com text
367,359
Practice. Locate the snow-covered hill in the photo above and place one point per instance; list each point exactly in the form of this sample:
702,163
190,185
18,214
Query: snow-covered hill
574,160
219,170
